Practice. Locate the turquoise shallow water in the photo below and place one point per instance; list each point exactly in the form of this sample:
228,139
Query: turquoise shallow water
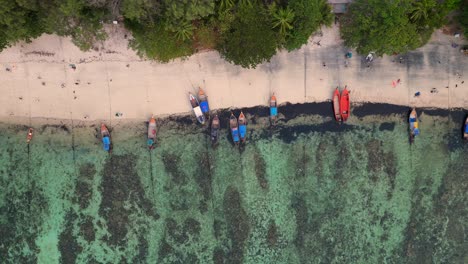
305,191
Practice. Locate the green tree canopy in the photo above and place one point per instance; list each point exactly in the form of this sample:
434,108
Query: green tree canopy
309,15
380,26
250,39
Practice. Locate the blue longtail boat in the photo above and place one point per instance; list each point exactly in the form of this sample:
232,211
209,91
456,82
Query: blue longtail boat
242,127
273,109
106,141
234,128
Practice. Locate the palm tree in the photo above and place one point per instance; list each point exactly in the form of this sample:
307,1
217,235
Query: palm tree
184,30
421,9
283,19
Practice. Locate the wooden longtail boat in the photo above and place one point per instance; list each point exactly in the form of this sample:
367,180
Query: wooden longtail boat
344,104
30,135
106,141
273,109
196,109
336,104
214,130
414,125
152,129
203,102
242,127
465,129
234,128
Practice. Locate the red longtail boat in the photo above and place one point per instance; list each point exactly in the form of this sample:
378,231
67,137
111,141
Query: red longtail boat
344,104
336,104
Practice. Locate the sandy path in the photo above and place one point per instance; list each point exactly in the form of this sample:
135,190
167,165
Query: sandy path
42,84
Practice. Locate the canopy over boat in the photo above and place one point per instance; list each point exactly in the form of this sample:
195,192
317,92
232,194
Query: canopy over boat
193,100
273,107
214,129
30,135
344,104
199,114
234,128
336,104
242,126
152,129
203,101
106,142
414,125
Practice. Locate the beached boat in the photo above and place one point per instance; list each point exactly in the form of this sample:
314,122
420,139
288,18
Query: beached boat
196,109
336,104
106,141
242,127
465,129
234,128
273,109
203,102
344,104
30,135
214,130
414,125
151,133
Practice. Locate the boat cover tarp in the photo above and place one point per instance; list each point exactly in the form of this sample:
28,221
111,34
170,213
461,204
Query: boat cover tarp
242,130
204,106
235,135
466,128
412,119
273,111
416,131
150,142
106,142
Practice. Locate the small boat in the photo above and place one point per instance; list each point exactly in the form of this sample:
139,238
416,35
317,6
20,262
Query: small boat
344,104
214,130
203,102
465,130
273,109
242,127
30,135
414,125
151,133
196,109
336,104
234,128
105,138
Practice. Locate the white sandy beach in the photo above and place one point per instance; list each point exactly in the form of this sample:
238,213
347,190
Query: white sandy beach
41,84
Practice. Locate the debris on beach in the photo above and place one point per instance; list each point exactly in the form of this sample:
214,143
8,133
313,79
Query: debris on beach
118,114
417,94
73,66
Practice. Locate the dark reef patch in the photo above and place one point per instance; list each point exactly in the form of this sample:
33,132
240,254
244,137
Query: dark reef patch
218,256
68,245
289,134
290,111
87,229
237,223
21,224
122,195
142,250
260,170
203,179
387,126
172,167
301,160
83,188
272,235
378,109
302,218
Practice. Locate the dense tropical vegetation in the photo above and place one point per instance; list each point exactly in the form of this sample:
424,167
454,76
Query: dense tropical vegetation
246,32
393,26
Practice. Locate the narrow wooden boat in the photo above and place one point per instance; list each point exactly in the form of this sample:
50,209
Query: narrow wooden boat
273,109
30,135
152,129
214,130
203,102
465,130
336,104
414,125
242,127
106,141
234,128
344,104
196,109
